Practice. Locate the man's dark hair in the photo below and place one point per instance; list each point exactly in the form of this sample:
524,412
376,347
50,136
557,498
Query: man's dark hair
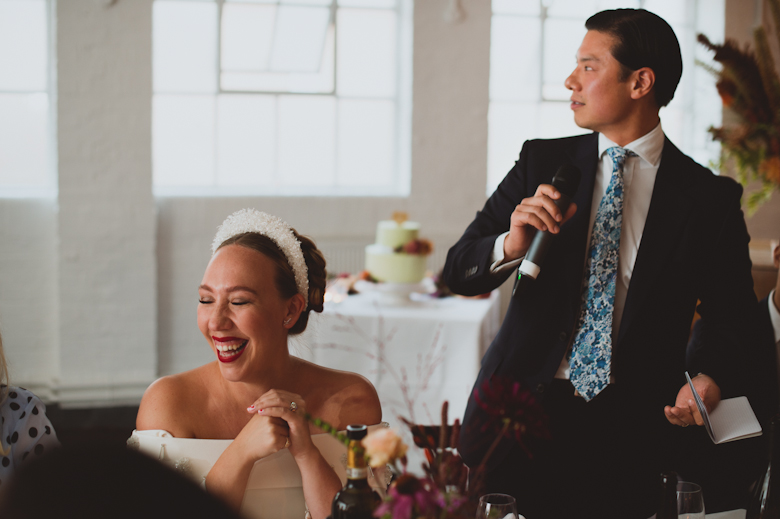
643,39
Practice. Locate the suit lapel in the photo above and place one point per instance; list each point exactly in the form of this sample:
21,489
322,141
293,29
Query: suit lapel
666,218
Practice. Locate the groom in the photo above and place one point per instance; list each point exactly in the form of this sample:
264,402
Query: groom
600,335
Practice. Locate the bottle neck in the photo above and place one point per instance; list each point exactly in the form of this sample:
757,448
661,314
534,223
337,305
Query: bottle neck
356,461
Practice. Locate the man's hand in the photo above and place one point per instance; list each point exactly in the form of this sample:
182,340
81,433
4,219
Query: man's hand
684,412
537,212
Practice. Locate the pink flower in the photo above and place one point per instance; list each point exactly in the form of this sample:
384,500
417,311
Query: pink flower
383,446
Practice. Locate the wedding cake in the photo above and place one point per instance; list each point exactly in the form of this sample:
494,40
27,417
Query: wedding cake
399,255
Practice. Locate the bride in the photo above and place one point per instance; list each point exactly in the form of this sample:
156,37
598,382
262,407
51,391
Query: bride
259,287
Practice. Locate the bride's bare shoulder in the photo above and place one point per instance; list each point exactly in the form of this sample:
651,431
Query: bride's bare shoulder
163,401
346,397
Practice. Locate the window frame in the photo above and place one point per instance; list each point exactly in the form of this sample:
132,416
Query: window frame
402,100
51,190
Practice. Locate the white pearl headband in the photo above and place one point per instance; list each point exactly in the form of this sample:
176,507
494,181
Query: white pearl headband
273,227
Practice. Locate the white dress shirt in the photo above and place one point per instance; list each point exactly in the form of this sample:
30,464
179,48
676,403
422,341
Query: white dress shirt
638,178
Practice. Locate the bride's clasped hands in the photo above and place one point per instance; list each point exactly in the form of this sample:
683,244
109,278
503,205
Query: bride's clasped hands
281,416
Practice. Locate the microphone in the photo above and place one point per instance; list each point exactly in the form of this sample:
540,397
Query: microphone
566,181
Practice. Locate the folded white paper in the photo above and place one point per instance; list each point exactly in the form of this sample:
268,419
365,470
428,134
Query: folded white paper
733,418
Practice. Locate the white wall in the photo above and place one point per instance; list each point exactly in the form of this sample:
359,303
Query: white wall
98,287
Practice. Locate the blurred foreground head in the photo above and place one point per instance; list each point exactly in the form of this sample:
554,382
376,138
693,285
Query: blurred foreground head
99,481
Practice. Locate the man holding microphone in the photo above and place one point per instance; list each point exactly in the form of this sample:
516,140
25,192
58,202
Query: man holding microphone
600,334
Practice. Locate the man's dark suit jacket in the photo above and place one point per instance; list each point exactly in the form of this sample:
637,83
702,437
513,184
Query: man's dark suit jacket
726,471
759,382
694,247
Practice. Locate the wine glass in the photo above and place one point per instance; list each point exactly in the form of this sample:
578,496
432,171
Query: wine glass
690,503
497,506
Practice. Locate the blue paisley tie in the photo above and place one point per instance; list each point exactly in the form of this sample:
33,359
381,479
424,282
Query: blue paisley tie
591,354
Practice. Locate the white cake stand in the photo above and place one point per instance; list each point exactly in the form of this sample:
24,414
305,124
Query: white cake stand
392,294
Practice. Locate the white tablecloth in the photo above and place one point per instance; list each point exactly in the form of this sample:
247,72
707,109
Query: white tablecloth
416,355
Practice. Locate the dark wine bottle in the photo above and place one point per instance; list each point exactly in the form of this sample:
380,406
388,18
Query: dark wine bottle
765,502
667,497
357,500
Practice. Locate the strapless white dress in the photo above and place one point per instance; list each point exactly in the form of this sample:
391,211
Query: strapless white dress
274,489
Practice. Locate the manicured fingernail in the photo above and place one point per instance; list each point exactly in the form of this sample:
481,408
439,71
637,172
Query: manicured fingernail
260,411
251,406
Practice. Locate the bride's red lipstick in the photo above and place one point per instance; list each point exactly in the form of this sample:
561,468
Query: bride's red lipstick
224,352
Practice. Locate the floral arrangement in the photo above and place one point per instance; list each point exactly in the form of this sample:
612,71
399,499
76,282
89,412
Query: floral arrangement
419,246
749,86
445,491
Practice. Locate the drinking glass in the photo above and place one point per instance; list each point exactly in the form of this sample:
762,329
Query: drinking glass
690,503
497,506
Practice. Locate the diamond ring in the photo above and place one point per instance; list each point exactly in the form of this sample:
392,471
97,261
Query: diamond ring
293,406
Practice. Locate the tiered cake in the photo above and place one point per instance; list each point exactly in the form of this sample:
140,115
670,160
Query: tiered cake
382,260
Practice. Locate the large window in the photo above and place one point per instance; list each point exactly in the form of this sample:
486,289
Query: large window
27,160
297,97
533,44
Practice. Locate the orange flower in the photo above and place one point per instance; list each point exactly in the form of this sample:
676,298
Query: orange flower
770,169
383,446
726,89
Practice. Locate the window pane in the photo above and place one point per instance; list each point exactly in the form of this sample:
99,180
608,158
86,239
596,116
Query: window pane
366,52
246,140
299,39
307,140
602,5
306,2
583,9
388,4
509,125
301,82
578,10
184,49
366,143
24,134
183,140
23,45
526,7
673,11
557,120
514,58
247,34
672,120
562,38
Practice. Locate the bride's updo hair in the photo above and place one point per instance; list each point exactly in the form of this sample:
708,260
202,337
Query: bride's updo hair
285,278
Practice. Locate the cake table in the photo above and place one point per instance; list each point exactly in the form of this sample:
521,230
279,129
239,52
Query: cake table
417,355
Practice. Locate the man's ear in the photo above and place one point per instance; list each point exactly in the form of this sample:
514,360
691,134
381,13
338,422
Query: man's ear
642,82
776,257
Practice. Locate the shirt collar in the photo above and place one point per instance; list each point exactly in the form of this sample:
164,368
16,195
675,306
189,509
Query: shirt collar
648,147
774,315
